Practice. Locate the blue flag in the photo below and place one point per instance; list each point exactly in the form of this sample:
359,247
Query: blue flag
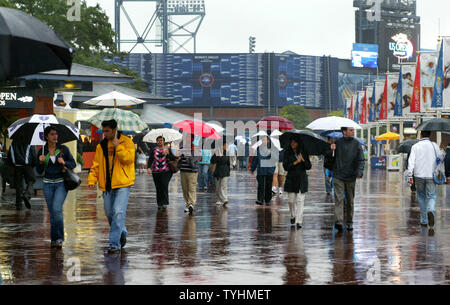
437,100
372,106
356,114
345,108
398,98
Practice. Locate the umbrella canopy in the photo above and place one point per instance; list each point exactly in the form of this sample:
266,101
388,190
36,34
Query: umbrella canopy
126,120
115,99
435,125
169,135
275,122
29,46
30,130
197,128
405,146
388,136
273,138
338,135
332,123
313,143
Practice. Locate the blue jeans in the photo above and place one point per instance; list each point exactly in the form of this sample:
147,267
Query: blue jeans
115,203
329,185
55,194
426,195
203,175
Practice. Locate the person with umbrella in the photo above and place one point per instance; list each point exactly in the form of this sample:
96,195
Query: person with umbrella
158,167
22,157
264,163
221,173
296,162
113,170
54,159
348,159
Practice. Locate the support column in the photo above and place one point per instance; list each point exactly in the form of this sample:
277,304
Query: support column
401,130
377,133
439,134
369,144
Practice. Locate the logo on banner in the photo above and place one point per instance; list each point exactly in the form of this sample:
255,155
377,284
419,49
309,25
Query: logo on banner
402,47
282,80
206,80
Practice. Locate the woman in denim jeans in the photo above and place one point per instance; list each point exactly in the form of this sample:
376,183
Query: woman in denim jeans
53,160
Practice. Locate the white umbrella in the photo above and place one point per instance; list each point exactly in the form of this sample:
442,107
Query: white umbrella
114,98
332,123
274,139
169,135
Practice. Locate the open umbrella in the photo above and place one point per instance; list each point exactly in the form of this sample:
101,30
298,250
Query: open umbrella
169,135
30,130
388,136
114,99
332,123
126,120
197,128
29,46
440,124
405,146
314,144
338,135
275,122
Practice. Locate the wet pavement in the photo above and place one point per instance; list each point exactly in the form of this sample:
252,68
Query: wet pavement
241,244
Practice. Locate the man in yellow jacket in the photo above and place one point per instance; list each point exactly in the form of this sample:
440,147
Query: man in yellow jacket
113,170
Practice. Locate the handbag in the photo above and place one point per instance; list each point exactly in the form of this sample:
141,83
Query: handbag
173,166
439,172
71,180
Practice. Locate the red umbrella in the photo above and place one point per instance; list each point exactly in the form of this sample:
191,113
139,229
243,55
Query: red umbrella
197,128
275,122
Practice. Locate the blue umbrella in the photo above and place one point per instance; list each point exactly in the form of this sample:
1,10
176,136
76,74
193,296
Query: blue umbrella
338,134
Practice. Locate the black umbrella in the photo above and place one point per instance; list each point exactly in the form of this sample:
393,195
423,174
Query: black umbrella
30,130
405,146
313,143
28,46
435,125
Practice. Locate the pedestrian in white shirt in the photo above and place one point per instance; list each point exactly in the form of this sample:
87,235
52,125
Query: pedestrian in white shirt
421,164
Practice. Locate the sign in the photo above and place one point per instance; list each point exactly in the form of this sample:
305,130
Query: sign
16,98
402,47
365,55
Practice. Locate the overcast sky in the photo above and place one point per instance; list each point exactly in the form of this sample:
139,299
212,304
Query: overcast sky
309,27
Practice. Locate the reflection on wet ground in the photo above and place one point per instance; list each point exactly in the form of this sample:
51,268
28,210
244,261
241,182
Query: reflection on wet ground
241,244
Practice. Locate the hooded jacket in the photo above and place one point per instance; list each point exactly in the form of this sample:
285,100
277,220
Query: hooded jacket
123,165
53,171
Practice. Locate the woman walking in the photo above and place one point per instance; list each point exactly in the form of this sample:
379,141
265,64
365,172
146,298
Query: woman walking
158,166
296,162
54,159
221,174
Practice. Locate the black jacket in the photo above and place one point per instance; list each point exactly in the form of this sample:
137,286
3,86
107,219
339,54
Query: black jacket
348,159
54,170
447,162
22,154
222,165
296,178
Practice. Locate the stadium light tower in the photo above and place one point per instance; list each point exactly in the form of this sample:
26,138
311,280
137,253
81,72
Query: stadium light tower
251,44
174,23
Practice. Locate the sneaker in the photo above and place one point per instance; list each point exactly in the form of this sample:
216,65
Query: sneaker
280,192
349,227
191,209
430,219
112,250
186,210
225,203
218,203
258,202
123,240
26,200
274,191
299,226
338,227
293,221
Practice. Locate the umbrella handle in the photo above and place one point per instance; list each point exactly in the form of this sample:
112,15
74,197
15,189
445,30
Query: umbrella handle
333,153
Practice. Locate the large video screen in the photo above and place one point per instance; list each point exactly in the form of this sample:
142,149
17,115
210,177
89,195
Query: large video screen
365,55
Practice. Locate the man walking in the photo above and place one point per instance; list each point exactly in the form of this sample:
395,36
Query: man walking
421,165
113,170
23,158
348,166
447,163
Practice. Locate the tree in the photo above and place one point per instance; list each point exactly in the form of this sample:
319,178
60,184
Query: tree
5,3
297,115
339,113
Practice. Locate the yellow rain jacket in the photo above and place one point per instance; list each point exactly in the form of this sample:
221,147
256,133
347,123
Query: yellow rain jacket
123,170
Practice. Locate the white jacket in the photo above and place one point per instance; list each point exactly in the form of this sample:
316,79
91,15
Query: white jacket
422,160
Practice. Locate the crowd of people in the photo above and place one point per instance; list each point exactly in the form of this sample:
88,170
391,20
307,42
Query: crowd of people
114,166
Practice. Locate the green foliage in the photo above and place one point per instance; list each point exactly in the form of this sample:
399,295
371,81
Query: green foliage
6,3
339,113
297,115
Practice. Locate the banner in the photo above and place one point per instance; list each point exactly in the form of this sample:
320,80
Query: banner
350,112
348,104
379,90
408,76
384,106
372,102
438,94
415,102
356,109
392,80
398,97
428,63
364,108
446,78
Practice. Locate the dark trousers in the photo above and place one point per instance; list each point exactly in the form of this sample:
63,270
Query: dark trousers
264,188
26,173
344,194
162,187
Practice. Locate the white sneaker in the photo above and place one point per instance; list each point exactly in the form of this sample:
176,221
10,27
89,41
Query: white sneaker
274,189
218,203
186,210
280,192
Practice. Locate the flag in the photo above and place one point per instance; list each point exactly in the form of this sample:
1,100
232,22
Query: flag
350,112
398,98
345,108
415,103
356,114
372,105
364,109
437,100
383,109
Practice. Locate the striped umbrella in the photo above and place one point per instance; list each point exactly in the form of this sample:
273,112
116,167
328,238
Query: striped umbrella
126,120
